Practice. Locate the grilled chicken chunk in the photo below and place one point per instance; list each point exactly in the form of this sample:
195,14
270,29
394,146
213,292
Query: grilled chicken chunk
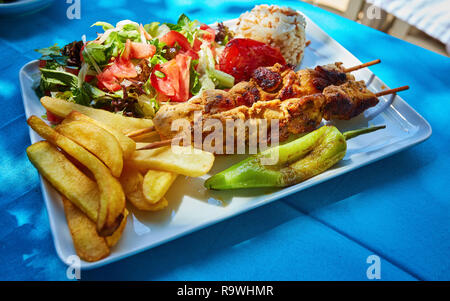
348,100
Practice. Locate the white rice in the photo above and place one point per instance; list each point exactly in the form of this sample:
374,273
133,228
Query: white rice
280,27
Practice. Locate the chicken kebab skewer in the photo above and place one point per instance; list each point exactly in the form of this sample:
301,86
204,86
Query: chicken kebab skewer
295,115
253,100
302,112
266,80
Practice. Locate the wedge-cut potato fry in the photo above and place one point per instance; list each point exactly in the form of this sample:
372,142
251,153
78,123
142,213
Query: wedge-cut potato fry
176,159
131,180
114,238
70,182
112,198
62,108
156,183
96,140
88,244
147,137
127,144
160,205
65,177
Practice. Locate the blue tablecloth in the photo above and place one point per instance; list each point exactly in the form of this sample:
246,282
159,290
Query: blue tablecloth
398,208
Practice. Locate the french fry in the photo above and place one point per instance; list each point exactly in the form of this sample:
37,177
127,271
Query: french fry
112,198
62,108
114,238
96,140
71,183
131,180
65,177
88,244
160,205
176,159
127,144
156,183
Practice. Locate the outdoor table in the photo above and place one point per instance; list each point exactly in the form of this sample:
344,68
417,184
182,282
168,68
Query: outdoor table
430,16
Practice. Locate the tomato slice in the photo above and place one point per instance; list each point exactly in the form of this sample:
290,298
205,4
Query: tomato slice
197,45
81,53
127,50
142,50
88,78
173,37
184,63
242,56
74,71
135,50
122,68
210,34
107,80
175,83
165,84
53,119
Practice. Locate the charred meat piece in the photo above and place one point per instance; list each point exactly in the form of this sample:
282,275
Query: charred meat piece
291,86
282,82
249,97
267,79
329,75
348,100
246,93
315,80
216,101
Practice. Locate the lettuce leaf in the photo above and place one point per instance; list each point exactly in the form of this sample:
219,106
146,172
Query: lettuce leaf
97,52
194,79
185,26
54,78
53,57
152,28
105,25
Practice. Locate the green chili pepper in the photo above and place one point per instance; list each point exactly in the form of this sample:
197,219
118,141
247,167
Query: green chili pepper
298,160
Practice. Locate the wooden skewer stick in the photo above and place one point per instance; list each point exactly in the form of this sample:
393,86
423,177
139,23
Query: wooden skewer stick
307,43
357,67
391,91
157,144
141,131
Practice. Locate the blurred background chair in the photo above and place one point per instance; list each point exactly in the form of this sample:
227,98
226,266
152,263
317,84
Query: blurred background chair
425,23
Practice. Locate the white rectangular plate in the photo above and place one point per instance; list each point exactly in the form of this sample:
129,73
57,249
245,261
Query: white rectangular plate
192,207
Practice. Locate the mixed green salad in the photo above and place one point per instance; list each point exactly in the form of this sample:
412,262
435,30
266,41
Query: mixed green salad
132,68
